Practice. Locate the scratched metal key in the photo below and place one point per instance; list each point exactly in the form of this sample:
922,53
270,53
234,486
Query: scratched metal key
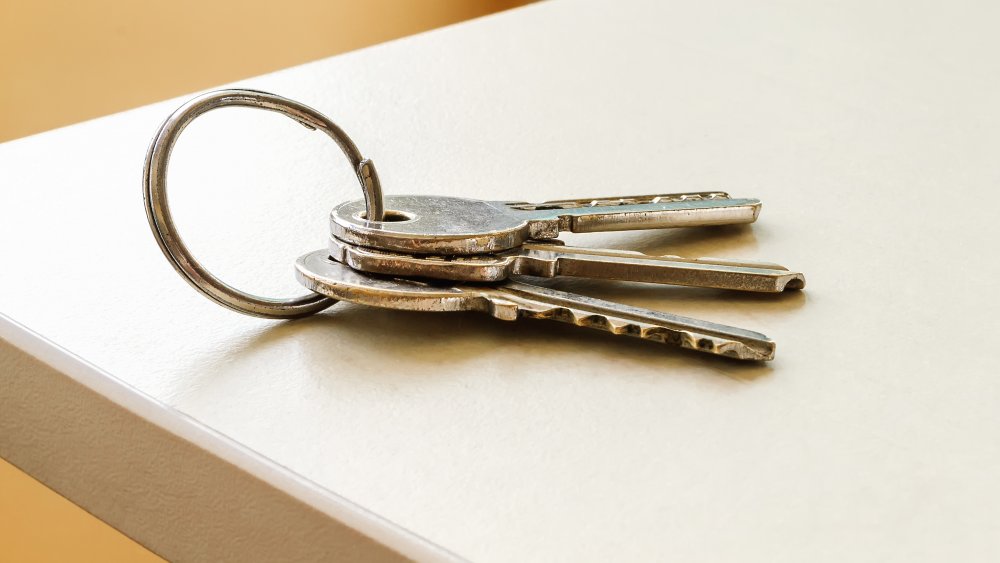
452,225
512,300
550,259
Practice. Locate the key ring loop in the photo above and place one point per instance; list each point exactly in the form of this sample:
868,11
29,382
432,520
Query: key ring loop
154,182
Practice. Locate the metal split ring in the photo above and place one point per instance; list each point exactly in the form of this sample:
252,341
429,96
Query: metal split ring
154,182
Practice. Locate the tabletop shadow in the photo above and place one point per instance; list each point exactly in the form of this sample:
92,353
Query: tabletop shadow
404,340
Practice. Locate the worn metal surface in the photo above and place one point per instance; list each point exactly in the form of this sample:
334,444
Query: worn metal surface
454,225
512,300
550,259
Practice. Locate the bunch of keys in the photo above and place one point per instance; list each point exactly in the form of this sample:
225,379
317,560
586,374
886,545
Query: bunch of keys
437,253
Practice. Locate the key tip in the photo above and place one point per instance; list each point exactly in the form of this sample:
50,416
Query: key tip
794,282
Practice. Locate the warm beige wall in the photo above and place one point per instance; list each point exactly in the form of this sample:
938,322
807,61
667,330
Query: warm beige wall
39,526
63,61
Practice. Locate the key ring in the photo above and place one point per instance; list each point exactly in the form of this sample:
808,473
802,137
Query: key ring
158,212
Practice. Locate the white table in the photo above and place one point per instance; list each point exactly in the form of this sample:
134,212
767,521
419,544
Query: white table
870,131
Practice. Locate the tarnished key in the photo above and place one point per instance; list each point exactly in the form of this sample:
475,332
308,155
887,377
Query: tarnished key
512,300
550,259
453,225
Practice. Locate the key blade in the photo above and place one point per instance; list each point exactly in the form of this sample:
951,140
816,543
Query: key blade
512,300
551,259
443,225
704,336
615,201
699,209
541,259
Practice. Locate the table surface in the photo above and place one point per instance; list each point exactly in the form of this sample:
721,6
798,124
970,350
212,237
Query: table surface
869,131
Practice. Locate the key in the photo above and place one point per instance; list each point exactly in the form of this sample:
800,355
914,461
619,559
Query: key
512,300
549,259
452,225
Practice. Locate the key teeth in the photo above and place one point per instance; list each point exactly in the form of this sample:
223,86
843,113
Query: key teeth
646,332
702,343
565,315
629,329
597,321
589,320
664,335
675,337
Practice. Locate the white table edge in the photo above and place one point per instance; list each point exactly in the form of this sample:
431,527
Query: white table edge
301,495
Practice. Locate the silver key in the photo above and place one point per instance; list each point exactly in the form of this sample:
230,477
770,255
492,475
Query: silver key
549,259
512,300
452,225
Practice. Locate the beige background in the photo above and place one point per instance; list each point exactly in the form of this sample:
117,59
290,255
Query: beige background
63,61
870,132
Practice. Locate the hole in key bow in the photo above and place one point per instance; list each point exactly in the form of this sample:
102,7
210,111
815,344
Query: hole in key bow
390,216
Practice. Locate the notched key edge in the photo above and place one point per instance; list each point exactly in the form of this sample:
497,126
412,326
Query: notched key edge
750,345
